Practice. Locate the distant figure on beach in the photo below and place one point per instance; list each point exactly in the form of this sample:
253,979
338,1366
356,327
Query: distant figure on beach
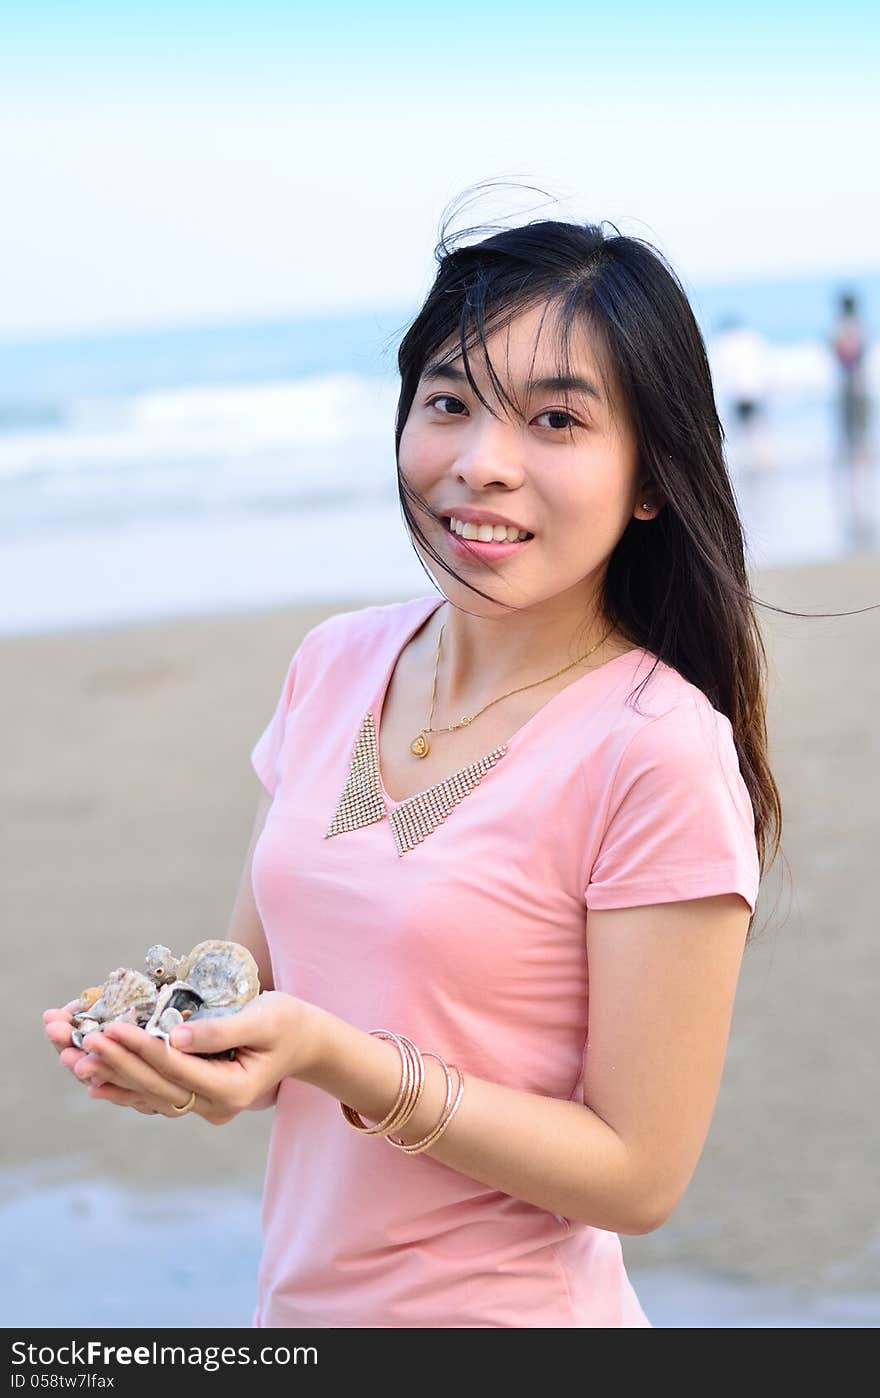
741,370
742,373
849,345
510,833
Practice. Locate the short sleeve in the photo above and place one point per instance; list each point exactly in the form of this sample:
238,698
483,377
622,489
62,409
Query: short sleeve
680,822
267,750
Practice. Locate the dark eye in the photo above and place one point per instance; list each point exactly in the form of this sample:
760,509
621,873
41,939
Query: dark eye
568,420
447,398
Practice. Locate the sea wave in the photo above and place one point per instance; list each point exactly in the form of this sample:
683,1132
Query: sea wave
321,439
196,423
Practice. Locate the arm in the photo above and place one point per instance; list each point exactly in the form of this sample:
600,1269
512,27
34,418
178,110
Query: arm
662,987
245,924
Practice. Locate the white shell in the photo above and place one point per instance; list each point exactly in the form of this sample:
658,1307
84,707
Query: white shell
223,974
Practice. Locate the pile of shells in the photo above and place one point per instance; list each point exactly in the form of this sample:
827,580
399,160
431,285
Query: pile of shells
216,978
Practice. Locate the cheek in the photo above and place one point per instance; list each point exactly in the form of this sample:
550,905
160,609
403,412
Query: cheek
591,509
422,453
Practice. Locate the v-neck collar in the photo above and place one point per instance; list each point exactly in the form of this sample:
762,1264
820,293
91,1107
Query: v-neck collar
364,799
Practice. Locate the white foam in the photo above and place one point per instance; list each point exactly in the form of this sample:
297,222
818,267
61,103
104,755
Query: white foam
234,424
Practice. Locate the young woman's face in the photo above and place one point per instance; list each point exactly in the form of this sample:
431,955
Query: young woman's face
575,491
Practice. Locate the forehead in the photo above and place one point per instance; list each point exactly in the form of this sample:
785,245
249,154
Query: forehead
530,348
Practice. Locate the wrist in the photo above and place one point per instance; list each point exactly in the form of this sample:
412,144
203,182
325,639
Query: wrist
364,1072
311,1033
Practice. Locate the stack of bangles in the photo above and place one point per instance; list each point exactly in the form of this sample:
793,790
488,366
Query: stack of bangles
412,1084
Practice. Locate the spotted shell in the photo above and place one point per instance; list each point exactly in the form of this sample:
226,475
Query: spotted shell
88,997
162,964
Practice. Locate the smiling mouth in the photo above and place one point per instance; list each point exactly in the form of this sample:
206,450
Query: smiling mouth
511,535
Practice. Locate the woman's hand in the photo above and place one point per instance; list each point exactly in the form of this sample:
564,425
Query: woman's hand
59,1031
273,1037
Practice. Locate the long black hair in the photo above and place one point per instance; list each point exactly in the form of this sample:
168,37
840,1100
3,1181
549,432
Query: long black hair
678,585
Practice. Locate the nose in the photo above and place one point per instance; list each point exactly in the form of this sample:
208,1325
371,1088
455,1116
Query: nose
491,454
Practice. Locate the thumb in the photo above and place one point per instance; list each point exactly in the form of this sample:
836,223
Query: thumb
213,1033
220,1033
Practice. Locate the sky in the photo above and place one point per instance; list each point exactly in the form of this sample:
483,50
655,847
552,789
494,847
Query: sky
188,163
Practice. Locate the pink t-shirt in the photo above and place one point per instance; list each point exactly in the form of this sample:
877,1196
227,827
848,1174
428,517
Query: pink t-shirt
471,940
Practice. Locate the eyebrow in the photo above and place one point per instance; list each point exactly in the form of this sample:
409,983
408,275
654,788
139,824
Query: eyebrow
559,383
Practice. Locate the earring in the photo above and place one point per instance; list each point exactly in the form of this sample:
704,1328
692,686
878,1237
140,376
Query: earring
646,507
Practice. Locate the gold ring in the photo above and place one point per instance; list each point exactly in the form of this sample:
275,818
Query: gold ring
187,1106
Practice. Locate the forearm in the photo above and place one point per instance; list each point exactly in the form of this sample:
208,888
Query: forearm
555,1154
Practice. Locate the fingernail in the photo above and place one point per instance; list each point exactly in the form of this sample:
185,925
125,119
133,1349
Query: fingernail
181,1038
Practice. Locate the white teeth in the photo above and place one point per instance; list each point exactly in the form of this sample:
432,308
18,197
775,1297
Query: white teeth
487,533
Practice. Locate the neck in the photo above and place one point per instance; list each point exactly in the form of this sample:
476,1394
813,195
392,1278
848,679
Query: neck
482,657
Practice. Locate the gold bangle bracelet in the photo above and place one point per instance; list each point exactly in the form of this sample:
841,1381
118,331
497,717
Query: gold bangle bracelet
450,1107
412,1083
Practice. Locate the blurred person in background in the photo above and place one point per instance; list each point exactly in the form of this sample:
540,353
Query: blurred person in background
741,369
849,344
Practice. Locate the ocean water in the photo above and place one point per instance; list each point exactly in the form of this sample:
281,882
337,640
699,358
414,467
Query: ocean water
226,467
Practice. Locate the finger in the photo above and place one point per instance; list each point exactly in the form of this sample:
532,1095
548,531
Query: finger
89,1070
109,1092
58,1029
130,1070
220,1034
141,1105
172,1067
59,1034
64,1012
69,1057
148,1106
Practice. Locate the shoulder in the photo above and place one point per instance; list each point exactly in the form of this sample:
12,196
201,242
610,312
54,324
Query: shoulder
362,630
668,726
674,818
662,706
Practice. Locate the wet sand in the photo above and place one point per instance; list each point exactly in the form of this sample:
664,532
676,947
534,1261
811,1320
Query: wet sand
124,817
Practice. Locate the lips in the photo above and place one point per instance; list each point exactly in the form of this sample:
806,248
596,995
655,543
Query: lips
493,551
507,525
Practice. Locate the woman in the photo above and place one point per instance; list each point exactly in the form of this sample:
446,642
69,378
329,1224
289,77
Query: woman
505,864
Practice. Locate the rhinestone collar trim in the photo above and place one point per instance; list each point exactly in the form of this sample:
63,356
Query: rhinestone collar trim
363,803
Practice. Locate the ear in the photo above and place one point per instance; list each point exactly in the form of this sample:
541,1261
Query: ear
649,501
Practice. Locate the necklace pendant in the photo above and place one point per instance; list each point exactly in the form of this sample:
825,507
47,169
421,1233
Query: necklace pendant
420,746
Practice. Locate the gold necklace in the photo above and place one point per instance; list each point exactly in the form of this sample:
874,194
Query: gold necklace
420,745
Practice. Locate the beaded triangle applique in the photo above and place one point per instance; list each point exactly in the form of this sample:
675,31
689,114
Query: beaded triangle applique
362,802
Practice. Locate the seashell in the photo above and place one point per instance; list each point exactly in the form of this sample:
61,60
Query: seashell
162,964
85,1026
176,1003
89,996
125,994
223,974
216,978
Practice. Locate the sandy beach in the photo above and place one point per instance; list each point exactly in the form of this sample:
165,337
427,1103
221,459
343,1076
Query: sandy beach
126,810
